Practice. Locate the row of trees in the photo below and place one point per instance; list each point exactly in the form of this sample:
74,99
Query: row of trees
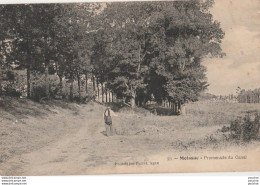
136,50
249,96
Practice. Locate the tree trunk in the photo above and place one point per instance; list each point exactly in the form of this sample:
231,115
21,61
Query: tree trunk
60,84
176,108
71,90
133,99
97,88
98,93
1,85
94,86
47,84
29,67
78,76
28,82
102,92
109,96
86,77
106,94
1,77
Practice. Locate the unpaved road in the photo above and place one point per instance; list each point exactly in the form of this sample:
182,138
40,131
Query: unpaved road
78,152
84,148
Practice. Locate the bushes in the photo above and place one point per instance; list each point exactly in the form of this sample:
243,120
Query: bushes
9,89
38,93
14,83
245,128
39,89
8,86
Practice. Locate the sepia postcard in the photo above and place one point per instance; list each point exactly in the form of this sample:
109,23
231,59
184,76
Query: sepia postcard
129,87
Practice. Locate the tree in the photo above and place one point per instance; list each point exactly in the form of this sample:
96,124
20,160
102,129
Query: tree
138,50
73,42
30,30
249,96
129,46
162,40
191,35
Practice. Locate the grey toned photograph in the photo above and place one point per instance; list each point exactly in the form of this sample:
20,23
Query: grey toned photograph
129,87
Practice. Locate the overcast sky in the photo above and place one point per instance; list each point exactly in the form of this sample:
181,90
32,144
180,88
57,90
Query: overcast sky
240,19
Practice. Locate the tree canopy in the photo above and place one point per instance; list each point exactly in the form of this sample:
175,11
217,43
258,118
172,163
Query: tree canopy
138,50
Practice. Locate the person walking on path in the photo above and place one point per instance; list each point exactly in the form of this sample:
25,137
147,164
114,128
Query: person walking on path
108,120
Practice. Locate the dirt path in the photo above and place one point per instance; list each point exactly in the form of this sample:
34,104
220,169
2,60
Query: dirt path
86,149
74,153
82,148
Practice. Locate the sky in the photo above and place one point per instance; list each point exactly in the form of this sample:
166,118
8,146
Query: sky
240,21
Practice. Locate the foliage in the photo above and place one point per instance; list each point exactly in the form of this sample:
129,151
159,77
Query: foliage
39,86
246,128
250,96
164,41
9,89
138,50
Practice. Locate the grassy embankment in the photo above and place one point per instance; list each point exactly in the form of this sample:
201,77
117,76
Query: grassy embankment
27,125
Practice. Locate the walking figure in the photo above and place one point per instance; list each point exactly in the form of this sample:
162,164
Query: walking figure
108,120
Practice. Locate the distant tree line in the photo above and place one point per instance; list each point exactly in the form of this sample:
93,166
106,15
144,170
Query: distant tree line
249,96
138,51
